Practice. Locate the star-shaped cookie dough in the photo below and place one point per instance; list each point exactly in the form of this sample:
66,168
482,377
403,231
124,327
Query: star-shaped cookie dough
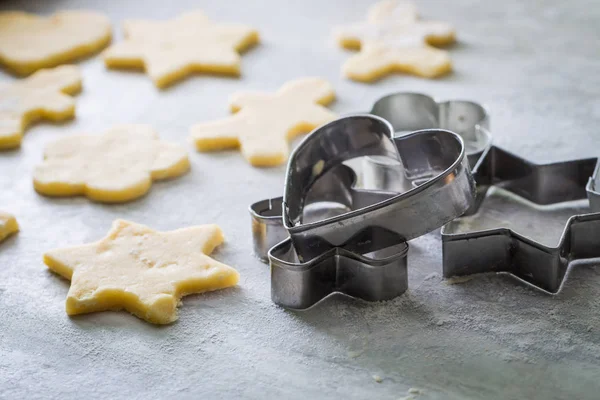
114,167
172,50
264,123
141,270
43,95
8,225
29,42
393,39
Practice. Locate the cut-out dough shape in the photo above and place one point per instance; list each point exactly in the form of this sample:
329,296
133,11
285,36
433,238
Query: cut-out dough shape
172,50
141,270
43,95
393,39
29,42
264,122
114,167
8,225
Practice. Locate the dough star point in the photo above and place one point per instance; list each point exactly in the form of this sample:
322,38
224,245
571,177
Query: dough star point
263,123
393,39
43,95
115,167
143,271
172,50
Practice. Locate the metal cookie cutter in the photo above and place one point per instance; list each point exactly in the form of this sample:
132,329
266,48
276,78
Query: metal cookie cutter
437,185
362,251
408,112
593,188
503,250
374,276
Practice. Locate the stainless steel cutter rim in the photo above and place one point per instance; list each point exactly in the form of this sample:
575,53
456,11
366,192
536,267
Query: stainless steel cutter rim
482,126
577,241
368,262
259,213
550,250
485,110
429,183
508,231
592,191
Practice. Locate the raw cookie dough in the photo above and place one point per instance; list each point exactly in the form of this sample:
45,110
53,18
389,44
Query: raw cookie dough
114,167
44,94
141,270
172,50
8,225
266,122
393,39
29,42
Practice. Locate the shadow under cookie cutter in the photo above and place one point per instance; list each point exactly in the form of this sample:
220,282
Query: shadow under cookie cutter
408,112
503,250
362,251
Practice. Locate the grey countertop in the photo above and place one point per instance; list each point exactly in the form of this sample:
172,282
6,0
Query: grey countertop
534,63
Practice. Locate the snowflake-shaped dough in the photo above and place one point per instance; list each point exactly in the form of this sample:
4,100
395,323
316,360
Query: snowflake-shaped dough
114,167
393,39
266,122
29,42
171,50
141,270
42,95
8,225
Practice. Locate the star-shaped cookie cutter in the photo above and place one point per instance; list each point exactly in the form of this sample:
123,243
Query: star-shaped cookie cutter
592,190
504,250
378,275
358,246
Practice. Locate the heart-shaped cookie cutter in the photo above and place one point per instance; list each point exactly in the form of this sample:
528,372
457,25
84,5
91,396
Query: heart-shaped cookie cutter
436,185
408,112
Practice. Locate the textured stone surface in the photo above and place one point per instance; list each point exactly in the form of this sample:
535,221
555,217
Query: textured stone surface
535,64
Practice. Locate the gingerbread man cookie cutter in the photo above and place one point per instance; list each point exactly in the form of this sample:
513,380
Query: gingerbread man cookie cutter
503,250
438,187
408,111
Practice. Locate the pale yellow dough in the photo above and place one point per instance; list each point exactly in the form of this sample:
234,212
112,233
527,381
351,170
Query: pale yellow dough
8,225
141,270
44,95
266,122
29,42
393,39
172,50
114,167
